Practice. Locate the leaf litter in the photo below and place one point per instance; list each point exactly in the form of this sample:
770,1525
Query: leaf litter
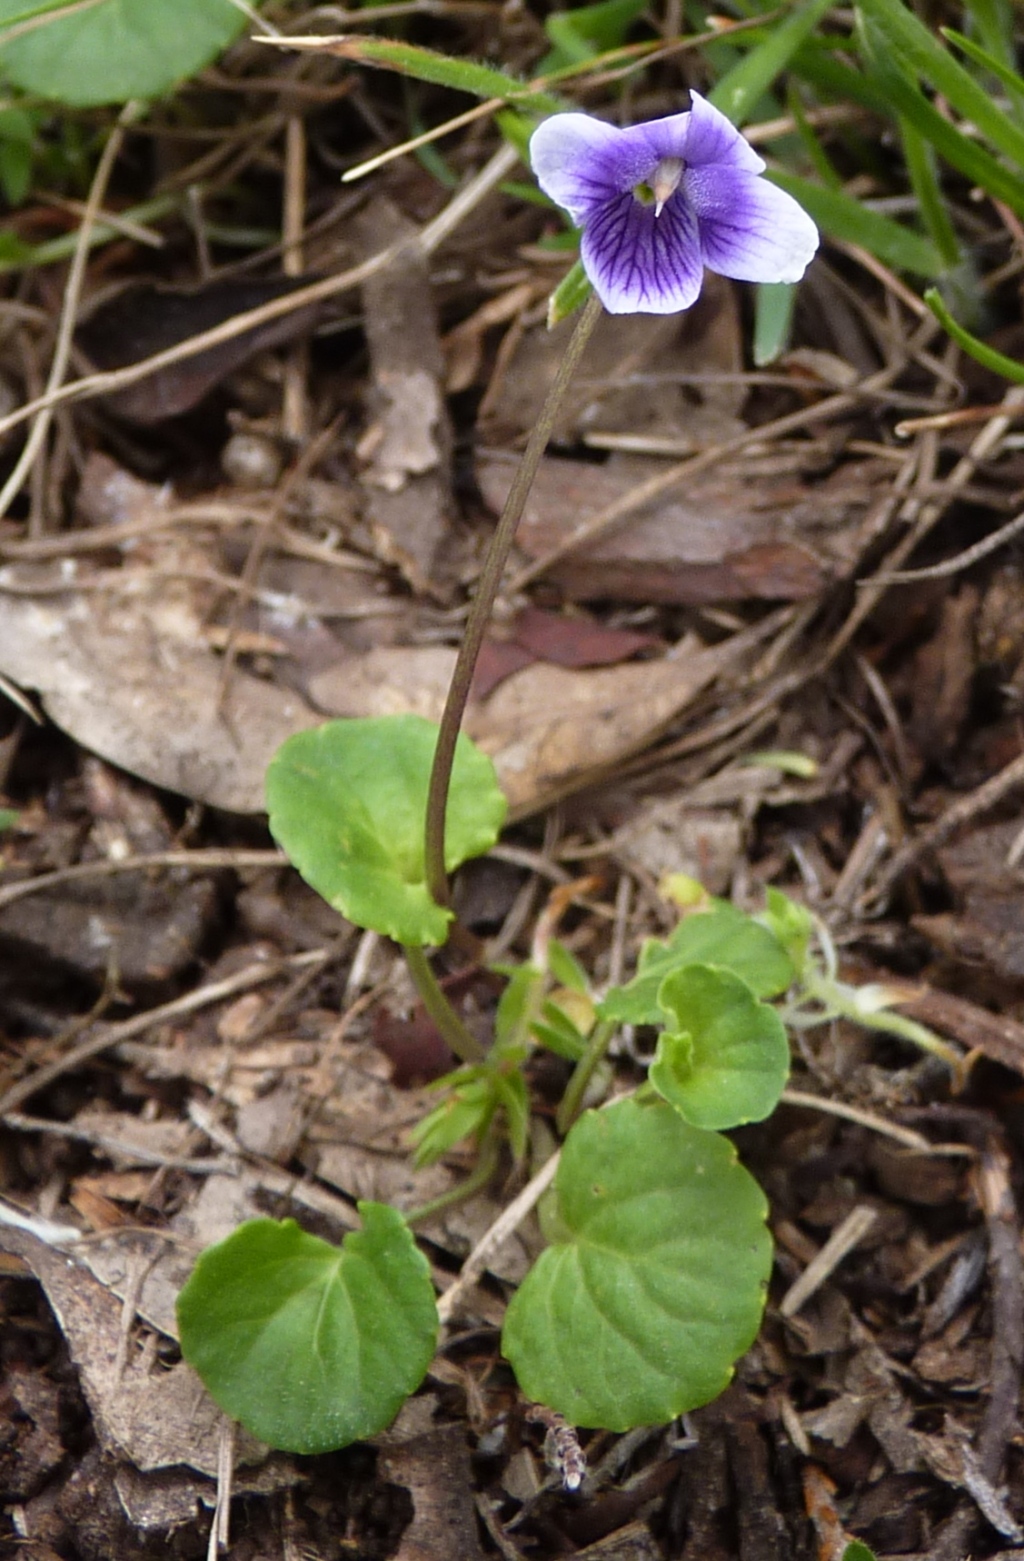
689,621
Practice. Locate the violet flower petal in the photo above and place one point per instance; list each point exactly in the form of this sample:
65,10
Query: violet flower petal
639,263
713,140
573,157
749,229
646,238
582,162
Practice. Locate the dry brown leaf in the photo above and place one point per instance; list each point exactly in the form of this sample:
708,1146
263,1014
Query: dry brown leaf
408,444
633,378
668,836
435,1469
145,319
127,676
550,730
729,534
156,1418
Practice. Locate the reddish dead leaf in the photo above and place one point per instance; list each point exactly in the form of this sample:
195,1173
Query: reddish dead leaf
413,1046
558,638
576,642
498,660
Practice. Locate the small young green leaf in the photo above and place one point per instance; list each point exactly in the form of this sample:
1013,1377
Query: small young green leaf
347,802
8,818
465,1112
566,968
791,924
473,1095
640,1312
517,1004
311,1346
556,1030
721,936
857,1551
724,1058
514,1096
116,49
571,294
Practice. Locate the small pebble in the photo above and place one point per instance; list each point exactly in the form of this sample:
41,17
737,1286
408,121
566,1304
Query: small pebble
251,461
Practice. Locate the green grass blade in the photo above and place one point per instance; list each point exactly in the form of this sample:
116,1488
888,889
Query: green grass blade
924,181
993,22
834,81
915,46
813,149
407,59
587,30
998,362
738,91
773,320
841,217
978,165
1002,72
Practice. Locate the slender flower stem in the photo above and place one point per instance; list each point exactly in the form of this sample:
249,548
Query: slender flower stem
486,591
572,1100
463,1044
477,1179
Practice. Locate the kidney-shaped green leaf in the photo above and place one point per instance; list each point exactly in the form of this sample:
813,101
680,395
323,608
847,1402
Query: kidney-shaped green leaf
116,49
640,1312
347,802
722,936
724,1058
311,1346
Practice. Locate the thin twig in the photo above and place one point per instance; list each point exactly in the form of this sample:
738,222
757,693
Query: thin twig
960,561
109,1035
494,1239
837,1108
195,861
69,308
282,1183
984,797
840,1244
434,234
119,1147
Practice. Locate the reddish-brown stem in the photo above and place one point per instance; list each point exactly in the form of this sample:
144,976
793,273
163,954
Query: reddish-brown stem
486,590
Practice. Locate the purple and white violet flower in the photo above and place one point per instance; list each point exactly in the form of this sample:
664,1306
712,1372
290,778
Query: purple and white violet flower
661,201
